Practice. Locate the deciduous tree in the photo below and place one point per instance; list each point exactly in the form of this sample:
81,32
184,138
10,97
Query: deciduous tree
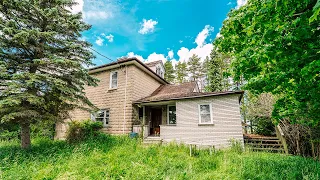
275,46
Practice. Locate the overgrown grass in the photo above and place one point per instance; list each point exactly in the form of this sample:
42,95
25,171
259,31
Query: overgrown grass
111,157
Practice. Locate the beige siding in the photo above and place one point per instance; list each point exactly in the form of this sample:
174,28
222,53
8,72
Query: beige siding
144,84
226,122
139,85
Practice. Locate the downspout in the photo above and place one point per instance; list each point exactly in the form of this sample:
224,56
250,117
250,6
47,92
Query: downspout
125,102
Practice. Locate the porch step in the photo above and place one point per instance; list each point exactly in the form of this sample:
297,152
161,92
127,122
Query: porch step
263,140
268,149
264,143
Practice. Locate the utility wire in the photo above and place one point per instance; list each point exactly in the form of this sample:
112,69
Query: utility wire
102,55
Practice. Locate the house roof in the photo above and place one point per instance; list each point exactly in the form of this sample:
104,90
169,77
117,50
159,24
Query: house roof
182,91
125,60
150,64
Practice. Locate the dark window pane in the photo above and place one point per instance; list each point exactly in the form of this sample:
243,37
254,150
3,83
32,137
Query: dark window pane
205,109
172,115
100,114
99,119
140,113
114,80
205,118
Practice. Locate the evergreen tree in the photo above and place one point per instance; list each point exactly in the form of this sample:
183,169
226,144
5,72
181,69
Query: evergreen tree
214,73
195,67
169,71
42,60
181,70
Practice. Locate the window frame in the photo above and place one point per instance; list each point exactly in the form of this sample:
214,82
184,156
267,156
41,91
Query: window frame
104,120
199,113
168,120
110,83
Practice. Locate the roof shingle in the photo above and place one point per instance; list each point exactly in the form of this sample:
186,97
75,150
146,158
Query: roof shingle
150,64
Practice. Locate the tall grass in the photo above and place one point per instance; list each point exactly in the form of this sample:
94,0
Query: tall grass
116,157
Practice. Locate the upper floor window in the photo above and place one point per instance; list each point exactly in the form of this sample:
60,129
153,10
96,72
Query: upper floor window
113,80
205,114
172,118
101,116
158,71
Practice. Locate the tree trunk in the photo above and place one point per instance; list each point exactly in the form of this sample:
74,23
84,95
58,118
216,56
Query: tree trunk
25,135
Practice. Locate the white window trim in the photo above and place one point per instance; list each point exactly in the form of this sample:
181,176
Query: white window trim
199,111
110,83
93,117
168,115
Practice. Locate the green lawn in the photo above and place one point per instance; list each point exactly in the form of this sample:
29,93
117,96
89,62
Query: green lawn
110,157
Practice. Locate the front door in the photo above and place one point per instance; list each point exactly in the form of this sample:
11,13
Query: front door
156,118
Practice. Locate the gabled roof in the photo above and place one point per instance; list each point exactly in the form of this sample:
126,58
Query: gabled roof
181,91
128,60
153,63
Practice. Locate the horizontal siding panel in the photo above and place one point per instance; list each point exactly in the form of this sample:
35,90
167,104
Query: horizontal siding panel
226,119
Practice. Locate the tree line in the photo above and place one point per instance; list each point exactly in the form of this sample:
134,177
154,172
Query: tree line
212,73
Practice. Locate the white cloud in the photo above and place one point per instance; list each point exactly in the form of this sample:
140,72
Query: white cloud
156,57
202,36
77,8
229,3
131,54
97,15
99,41
109,37
147,26
241,3
218,35
153,57
202,50
170,54
180,41
174,62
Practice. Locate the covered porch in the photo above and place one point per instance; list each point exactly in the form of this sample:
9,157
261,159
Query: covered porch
156,116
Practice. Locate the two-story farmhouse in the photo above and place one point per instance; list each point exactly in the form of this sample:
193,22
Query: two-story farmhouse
131,93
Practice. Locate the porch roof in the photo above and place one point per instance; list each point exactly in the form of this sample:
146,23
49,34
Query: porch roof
183,91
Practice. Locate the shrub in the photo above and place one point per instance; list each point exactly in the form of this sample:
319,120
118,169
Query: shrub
9,131
43,129
81,130
264,126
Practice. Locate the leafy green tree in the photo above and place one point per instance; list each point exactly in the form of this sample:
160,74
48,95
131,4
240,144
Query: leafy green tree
195,67
275,46
43,60
181,70
169,71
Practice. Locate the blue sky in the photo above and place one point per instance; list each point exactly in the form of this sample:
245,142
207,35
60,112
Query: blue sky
153,29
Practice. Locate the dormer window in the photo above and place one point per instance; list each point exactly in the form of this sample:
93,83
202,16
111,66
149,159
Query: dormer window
114,80
158,71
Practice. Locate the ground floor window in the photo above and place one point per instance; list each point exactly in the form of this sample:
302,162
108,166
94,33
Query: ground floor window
205,114
172,118
101,116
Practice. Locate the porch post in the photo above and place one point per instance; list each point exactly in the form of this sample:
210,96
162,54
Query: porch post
143,120
143,115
